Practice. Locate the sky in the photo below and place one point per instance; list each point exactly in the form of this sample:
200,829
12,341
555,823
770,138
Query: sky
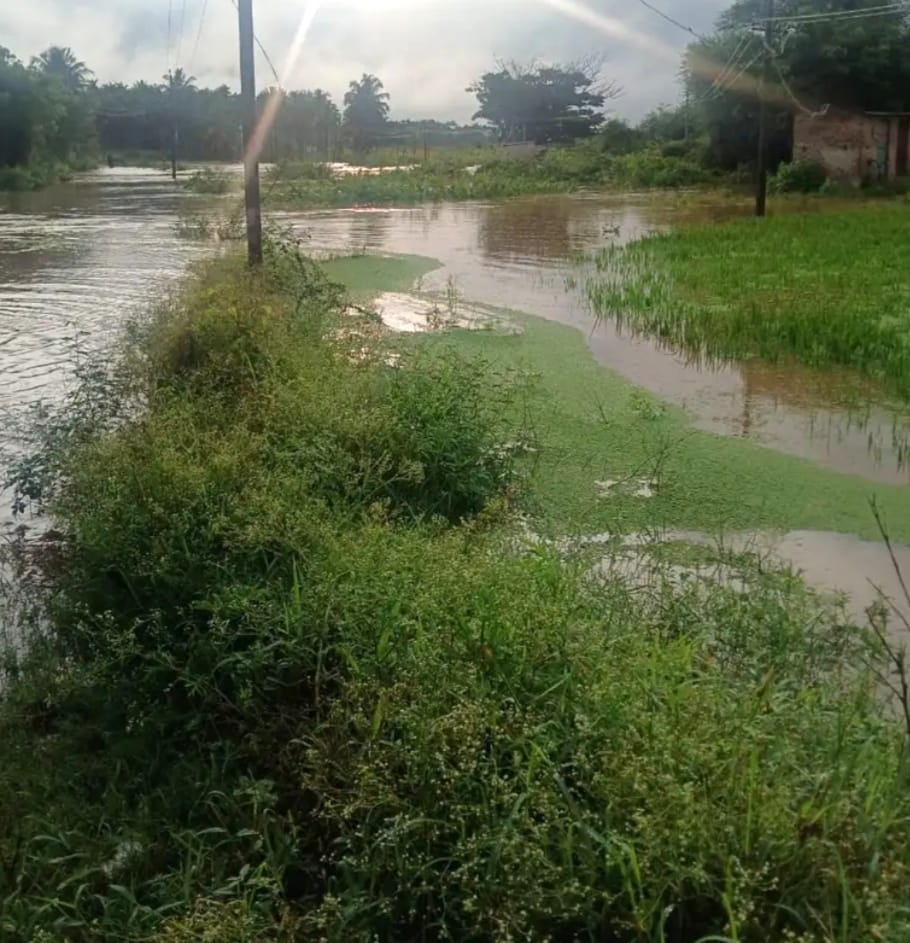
425,51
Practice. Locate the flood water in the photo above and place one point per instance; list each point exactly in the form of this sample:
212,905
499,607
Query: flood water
519,254
77,259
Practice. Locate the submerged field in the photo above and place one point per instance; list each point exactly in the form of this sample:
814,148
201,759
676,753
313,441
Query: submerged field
301,671
822,289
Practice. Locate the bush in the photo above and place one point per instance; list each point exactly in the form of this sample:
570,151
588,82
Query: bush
16,179
303,682
208,180
800,176
652,169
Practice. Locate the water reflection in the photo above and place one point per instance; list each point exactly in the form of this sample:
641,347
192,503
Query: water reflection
519,255
75,259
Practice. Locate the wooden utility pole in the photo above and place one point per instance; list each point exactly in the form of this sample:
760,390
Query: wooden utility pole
250,157
761,193
174,150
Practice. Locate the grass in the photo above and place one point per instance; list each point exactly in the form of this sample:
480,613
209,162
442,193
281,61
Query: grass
825,290
296,676
446,176
209,180
594,426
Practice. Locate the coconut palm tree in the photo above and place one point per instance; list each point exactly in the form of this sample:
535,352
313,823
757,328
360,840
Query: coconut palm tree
177,79
61,62
366,111
177,88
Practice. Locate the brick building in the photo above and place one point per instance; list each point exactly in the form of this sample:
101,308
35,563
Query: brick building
855,146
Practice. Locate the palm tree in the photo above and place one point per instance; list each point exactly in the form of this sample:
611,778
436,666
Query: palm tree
61,62
366,111
177,86
177,79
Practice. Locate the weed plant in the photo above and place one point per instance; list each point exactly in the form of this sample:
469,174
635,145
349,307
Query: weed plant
301,678
209,180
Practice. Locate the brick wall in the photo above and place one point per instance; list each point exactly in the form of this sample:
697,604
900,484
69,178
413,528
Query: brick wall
847,145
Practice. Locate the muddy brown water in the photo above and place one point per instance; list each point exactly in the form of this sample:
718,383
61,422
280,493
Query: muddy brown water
75,260
519,254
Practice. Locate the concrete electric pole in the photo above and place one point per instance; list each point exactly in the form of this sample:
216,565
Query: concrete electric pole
250,155
761,193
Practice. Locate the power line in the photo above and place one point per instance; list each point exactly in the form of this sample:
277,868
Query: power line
180,33
265,54
670,19
786,87
205,4
170,21
734,60
885,9
725,78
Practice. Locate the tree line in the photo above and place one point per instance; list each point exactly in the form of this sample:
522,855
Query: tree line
822,53
55,116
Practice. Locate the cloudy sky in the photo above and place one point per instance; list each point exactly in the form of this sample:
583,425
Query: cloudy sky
426,51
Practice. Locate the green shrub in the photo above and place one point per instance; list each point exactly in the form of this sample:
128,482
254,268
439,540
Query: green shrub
208,180
652,169
302,679
16,178
800,176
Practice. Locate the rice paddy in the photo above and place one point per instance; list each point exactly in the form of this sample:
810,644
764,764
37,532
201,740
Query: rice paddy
821,289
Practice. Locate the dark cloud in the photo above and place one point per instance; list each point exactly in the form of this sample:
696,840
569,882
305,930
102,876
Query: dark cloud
426,51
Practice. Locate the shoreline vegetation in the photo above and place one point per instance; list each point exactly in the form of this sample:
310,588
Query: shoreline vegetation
296,666
487,173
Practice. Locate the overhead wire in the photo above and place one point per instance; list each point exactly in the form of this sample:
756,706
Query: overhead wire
736,57
731,83
263,50
670,19
723,79
195,52
899,6
170,23
180,31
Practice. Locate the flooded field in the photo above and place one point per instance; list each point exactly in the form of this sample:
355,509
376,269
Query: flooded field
77,259
522,254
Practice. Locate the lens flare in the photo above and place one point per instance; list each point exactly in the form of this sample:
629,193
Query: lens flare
611,26
273,104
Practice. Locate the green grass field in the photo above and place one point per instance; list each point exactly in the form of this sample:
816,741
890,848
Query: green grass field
823,289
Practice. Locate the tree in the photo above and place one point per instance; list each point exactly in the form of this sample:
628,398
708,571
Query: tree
858,63
543,104
366,112
61,62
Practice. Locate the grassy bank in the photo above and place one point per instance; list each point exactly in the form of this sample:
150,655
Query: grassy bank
820,289
296,679
594,425
481,174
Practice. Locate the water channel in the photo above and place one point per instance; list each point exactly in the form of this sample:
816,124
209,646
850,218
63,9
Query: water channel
75,260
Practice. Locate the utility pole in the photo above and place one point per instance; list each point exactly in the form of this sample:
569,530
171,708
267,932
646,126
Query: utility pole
761,194
250,156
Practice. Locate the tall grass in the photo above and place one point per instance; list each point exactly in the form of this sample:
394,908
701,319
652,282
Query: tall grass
304,681
824,289
483,174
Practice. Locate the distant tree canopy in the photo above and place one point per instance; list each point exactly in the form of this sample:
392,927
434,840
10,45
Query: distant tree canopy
366,112
543,104
45,114
856,62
